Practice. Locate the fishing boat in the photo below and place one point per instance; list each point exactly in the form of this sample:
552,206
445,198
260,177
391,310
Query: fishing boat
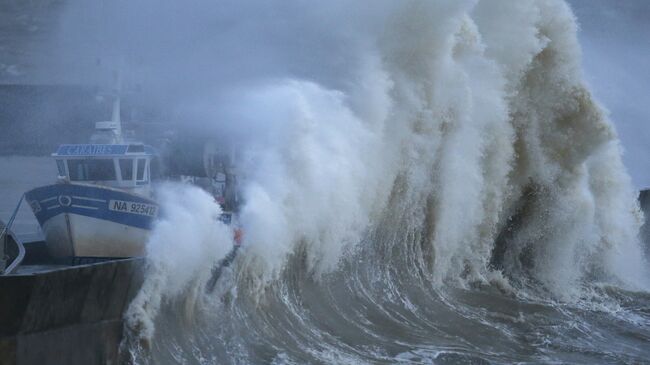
65,293
101,205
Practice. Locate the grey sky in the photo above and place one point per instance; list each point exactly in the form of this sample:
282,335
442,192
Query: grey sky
615,37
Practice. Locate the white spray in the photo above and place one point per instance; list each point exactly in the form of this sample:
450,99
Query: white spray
476,112
452,116
186,243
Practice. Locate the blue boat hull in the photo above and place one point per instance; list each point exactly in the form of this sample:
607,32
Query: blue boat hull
81,220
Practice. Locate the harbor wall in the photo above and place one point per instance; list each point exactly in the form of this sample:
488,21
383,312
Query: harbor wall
35,119
69,316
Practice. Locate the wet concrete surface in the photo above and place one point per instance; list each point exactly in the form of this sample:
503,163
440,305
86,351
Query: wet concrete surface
68,316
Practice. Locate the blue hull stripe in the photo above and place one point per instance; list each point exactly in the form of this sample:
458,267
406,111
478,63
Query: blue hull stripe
90,201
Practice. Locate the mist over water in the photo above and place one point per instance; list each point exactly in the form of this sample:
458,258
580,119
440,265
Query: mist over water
423,181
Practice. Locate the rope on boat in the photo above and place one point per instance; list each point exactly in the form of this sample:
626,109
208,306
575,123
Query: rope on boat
3,238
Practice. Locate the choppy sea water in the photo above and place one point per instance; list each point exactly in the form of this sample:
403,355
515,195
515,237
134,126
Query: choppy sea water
360,316
445,189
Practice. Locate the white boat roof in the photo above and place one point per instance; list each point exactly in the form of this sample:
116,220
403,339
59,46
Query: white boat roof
103,150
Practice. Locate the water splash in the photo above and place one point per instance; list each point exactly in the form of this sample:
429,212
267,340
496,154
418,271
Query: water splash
185,244
413,149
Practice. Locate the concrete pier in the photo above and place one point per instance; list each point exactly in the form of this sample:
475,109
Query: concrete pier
66,316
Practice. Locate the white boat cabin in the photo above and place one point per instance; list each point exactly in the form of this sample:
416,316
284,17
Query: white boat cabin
122,166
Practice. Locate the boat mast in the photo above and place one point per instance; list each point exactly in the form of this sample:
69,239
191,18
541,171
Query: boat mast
111,131
115,118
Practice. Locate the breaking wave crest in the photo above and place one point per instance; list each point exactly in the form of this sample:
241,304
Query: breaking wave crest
191,221
432,156
486,153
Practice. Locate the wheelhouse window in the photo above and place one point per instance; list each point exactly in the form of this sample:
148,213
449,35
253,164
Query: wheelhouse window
60,165
91,170
141,165
126,167
135,148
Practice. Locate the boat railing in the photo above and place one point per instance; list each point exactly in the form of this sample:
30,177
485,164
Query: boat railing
4,235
